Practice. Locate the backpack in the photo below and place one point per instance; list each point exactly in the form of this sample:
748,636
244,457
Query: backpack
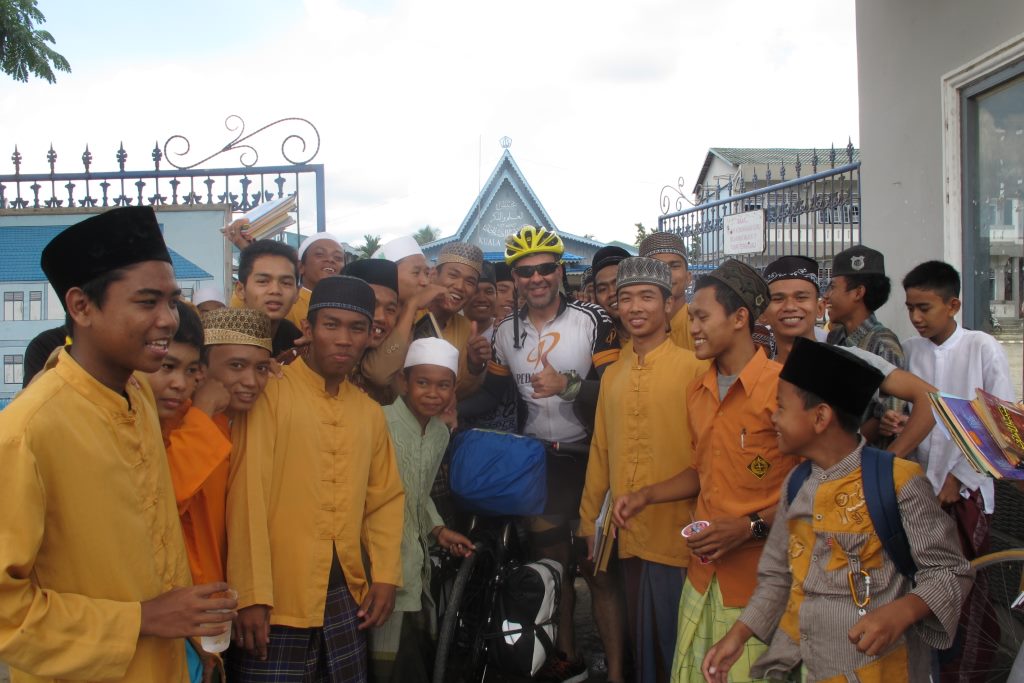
525,617
494,473
880,497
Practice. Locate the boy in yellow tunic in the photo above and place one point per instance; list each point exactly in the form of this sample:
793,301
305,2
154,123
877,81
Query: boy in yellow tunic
94,578
641,437
669,248
314,488
827,594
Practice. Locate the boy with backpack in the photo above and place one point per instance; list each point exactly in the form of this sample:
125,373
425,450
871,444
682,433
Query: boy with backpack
832,597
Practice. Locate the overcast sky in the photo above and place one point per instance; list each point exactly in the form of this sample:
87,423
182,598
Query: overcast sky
605,102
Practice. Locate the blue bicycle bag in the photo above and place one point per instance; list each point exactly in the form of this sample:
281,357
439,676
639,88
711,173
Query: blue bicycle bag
495,473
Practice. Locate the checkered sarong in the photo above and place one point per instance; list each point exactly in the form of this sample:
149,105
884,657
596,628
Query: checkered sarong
703,621
335,653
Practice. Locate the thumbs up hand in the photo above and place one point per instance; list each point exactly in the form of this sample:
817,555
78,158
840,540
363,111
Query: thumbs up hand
548,382
478,350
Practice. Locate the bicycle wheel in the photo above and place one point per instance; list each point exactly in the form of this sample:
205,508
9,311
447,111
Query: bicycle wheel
460,646
993,647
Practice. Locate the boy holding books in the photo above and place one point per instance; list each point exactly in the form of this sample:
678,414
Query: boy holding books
828,597
958,362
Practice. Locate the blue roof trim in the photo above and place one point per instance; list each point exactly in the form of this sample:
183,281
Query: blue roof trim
507,170
498,256
22,246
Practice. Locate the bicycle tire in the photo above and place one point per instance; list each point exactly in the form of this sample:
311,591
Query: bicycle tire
997,646
451,616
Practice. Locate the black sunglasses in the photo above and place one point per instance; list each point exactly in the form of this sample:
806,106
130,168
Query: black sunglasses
544,269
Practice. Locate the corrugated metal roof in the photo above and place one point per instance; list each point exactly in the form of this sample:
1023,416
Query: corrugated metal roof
21,247
781,155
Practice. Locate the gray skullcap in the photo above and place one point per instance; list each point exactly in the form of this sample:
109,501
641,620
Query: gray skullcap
460,252
639,270
663,243
748,285
859,260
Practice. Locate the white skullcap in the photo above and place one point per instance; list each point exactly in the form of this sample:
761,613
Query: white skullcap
399,248
433,351
316,237
208,293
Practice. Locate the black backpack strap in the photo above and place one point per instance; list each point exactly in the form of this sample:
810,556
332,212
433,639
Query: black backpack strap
880,497
797,479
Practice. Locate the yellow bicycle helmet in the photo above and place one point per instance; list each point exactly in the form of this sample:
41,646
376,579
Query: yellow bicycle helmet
531,240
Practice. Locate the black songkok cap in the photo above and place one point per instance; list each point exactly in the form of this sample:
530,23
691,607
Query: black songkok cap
748,285
375,271
792,268
345,292
114,239
840,379
502,272
608,256
859,260
487,273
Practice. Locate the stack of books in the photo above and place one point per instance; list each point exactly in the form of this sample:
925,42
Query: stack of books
988,430
271,218
604,538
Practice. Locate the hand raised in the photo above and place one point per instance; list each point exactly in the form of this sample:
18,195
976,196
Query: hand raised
547,382
212,397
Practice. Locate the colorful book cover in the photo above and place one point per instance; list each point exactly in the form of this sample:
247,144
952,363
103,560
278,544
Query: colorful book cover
972,436
1005,421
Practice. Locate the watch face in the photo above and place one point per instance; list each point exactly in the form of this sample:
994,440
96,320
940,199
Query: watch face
759,529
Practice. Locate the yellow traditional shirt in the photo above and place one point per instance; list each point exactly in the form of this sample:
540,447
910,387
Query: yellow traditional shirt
679,328
90,530
642,436
457,333
311,474
300,309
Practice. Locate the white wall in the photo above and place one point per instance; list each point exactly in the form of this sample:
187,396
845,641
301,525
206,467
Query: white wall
903,50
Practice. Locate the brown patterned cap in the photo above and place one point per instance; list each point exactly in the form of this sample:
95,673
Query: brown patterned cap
460,252
639,270
748,285
237,326
663,243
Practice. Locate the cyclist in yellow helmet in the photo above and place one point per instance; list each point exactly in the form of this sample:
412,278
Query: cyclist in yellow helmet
553,352
530,240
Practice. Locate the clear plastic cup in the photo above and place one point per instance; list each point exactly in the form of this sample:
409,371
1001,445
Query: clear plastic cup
219,642
694,528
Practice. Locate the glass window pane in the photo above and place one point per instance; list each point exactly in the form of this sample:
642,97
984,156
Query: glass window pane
996,195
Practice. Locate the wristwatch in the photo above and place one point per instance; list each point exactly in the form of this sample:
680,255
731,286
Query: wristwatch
758,527
572,385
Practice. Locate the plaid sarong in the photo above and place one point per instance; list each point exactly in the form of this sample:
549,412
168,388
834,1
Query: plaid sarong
334,653
703,621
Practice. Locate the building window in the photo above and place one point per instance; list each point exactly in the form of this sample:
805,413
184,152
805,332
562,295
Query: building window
14,369
992,136
14,305
186,294
35,305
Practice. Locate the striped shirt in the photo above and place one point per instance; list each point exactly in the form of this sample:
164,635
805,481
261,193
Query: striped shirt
803,606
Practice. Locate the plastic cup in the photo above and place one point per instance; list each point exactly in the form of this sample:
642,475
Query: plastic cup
221,641
694,528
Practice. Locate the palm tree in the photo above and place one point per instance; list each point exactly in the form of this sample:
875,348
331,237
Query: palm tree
425,235
371,243
23,47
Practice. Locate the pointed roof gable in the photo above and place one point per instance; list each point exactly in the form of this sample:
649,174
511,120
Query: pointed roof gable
504,179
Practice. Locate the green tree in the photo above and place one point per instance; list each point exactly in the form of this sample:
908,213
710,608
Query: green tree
426,234
371,243
23,47
641,233
693,250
